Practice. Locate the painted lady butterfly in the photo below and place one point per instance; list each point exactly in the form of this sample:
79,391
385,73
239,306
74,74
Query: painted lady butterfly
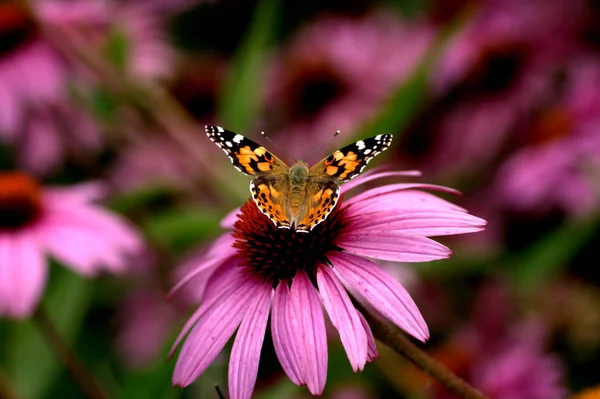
296,196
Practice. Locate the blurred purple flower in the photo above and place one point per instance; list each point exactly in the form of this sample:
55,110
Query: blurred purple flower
60,222
492,75
258,269
337,72
155,160
146,321
39,117
502,358
562,150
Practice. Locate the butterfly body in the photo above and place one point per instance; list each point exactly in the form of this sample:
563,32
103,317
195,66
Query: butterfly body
298,196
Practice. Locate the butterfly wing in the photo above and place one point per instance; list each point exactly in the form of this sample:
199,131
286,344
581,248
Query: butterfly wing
246,155
324,177
268,188
321,198
348,162
270,195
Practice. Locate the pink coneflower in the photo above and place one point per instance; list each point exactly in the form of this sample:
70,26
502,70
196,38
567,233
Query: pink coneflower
491,75
503,356
562,149
36,222
314,88
257,270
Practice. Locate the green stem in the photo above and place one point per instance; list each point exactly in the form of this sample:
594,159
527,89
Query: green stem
396,340
68,357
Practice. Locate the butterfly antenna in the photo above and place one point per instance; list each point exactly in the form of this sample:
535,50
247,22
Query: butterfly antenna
323,145
275,144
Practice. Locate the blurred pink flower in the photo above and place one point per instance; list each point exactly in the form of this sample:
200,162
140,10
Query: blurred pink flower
337,71
60,222
154,161
39,117
562,150
491,76
146,323
258,269
502,358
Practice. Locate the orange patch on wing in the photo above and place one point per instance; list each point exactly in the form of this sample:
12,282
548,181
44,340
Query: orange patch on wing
264,166
331,170
318,195
246,150
246,159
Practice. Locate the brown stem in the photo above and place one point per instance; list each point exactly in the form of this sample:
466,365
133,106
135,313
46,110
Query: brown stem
396,340
68,357
219,392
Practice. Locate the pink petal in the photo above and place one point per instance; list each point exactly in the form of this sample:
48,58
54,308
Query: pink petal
245,354
212,331
10,114
391,188
23,273
311,331
220,250
424,223
405,200
393,246
229,219
381,290
372,353
224,280
80,193
344,317
285,335
377,175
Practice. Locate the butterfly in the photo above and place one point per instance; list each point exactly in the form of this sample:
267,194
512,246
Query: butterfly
296,196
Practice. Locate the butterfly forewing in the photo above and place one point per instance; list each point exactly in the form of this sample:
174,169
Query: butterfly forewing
350,161
246,155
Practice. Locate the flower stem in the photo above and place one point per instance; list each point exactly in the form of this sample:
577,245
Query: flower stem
68,357
396,340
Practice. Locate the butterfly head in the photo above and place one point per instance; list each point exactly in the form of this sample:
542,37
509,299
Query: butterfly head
298,174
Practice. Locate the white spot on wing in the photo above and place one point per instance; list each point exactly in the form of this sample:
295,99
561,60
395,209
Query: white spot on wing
220,129
378,137
360,144
238,138
367,151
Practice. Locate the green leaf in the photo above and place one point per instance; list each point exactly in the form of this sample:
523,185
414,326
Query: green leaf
548,255
117,49
180,229
104,105
132,201
31,363
238,104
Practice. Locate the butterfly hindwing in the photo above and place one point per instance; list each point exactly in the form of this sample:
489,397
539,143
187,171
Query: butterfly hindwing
321,199
246,155
269,194
348,162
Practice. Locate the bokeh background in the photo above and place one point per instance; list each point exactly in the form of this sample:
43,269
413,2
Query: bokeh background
497,98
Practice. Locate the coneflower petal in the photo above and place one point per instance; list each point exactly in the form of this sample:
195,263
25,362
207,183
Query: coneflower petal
382,291
344,317
212,331
245,354
285,335
311,329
